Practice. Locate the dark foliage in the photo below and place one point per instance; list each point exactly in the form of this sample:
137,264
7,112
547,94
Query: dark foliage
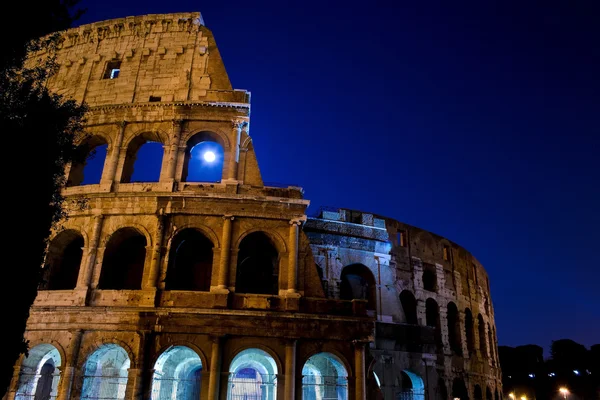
40,130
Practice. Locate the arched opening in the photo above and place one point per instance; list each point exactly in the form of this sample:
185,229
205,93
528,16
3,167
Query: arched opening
177,375
39,375
105,373
123,263
469,331
412,387
357,282
488,394
491,345
89,171
324,377
190,262
442,392
204,157
459,390
143,159
482,337
477,395
432,317
252,376
257,265
409,305
429,279
63,261
454,329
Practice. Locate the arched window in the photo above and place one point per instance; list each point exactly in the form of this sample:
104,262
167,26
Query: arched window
177,374
324,377
63,261
204,156
412,386
477,395
357,282
123,263
469,331
432,316
257,265
488,394
459,390
482,337
454,329
491,344
252,376
143,159
409,306
89,171
39,375
429,278
190,262
105,373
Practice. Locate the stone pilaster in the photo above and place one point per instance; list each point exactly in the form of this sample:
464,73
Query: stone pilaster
108,177
152,277
66,379
360,386
174,150
214,380
290,370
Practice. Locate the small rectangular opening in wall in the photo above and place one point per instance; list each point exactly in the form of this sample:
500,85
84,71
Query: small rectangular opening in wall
154,98
113,68
446,253
401,238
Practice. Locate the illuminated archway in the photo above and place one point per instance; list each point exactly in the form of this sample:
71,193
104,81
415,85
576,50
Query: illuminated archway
358,283
324,377
198,165
40,373
413,387
177,374
105,373
252,376
89,171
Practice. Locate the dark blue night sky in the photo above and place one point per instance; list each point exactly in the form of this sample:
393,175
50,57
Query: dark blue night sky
479,121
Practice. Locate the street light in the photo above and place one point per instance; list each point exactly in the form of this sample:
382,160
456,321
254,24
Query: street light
523,397
511,395
564,391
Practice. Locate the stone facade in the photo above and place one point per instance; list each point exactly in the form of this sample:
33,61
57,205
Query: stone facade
351,296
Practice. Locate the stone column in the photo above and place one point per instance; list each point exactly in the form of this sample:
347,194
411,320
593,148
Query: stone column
156,253
174,149
223,281
360,386
234,151
290,370
66,379
292,281
85,275
14,382
133,390
214,376
111,169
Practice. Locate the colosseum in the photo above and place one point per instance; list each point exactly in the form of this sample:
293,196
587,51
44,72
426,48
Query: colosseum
202,282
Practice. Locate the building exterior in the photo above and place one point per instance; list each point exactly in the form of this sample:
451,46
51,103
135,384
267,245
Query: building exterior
185,286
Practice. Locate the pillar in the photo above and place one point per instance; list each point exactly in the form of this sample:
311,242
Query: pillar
152,278
174,149
215,369
292,282
85,277
114,154
223,277
134,389
290,370
66,378
234,151
360,387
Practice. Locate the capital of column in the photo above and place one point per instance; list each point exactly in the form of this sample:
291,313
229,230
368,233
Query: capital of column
121,124
228,217
297,221
239,123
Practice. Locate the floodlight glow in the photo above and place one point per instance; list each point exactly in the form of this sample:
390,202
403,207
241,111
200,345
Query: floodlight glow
209,156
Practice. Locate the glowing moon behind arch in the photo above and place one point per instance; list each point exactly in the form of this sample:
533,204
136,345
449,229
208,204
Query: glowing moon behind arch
209,156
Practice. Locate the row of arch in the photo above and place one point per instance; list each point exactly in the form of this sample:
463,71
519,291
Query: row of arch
432,318
190,262
460,391
144,156
177,374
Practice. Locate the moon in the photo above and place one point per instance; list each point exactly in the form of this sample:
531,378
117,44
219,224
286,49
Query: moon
209,156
